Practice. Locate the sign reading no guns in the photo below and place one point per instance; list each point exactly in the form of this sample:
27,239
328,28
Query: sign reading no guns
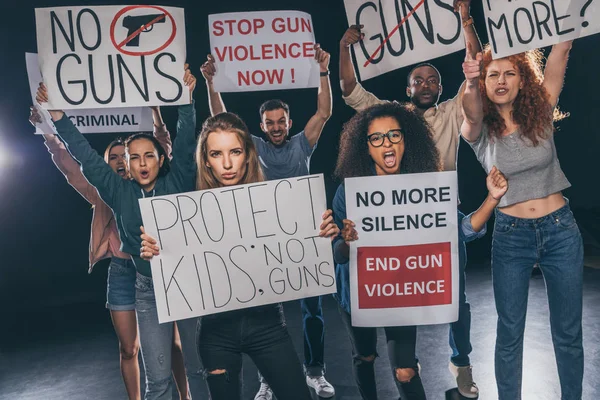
112,56
237,247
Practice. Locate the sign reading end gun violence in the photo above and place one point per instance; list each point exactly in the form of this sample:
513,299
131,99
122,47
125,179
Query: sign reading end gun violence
517,26
112,56
404,266
263,51
402,32
237,247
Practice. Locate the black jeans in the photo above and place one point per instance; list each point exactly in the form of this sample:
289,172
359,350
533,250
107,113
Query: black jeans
261,333
401,345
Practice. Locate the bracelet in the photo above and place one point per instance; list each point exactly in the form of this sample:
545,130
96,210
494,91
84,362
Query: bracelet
326,73
468,22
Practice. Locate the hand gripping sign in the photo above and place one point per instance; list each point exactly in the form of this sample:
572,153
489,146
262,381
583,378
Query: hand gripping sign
238,247
517,26
402,32
404,265
263,51
112,56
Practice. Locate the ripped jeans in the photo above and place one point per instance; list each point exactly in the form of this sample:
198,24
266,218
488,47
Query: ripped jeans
401,346
156,342
259,332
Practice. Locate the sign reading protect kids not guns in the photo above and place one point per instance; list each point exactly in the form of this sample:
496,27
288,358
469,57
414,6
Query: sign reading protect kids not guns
402,32
263,51
112,56
404,265
517,26
237,247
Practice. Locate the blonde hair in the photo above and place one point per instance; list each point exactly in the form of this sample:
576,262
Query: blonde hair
226,122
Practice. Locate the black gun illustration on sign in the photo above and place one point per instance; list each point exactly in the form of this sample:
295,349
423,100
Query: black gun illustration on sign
133,23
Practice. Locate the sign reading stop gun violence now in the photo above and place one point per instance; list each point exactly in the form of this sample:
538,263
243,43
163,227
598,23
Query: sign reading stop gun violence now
237,247
517,26
112,56
263,51
428,29
404,265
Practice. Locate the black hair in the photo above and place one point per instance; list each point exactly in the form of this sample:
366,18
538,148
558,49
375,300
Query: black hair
166,166
425,64
274,104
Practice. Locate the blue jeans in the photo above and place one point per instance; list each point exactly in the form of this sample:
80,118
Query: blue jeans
120,285
156,341
554,242
261,333
460,331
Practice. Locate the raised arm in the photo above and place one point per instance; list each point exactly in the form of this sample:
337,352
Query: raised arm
160,131
463,7
97,172
472,106
497,186
347,74
183,165
556,67
315,124
215,102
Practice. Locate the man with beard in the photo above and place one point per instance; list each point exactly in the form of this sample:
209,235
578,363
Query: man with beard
424,87
285,157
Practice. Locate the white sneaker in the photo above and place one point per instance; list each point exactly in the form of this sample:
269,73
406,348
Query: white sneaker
464,381
321,386
264,393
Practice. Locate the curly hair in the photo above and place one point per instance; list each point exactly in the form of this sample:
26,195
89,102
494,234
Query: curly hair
531,110
420,153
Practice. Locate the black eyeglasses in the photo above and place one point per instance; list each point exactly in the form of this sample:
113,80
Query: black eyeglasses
394,136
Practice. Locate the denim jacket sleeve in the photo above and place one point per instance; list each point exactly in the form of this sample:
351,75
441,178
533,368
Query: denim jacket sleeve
339,214
466,229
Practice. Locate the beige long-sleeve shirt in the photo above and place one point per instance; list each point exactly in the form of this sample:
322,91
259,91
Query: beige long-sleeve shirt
444,119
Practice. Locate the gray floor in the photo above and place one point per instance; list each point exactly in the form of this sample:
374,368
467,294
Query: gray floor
67,354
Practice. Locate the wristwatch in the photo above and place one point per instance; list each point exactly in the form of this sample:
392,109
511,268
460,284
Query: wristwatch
326,73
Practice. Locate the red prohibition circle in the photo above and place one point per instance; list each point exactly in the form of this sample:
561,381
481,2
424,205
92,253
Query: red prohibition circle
141,53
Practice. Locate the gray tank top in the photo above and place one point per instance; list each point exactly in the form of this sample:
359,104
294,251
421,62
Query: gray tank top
533,172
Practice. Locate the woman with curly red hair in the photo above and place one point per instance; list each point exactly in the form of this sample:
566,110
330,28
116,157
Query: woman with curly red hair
509,107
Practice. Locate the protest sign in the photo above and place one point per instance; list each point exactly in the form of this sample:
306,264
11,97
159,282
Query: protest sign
517,26
105,120
263,51
240,246
35,77
404,265
112,56
402,32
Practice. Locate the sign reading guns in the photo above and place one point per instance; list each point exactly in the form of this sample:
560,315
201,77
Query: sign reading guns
517,26
237,247
112,56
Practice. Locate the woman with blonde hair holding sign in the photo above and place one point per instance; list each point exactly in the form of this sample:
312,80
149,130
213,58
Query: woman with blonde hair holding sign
152,174
226,156
510,106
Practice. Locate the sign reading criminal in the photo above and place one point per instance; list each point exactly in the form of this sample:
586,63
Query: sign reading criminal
237,247
402,32
112,56
517,26
263,51
404,266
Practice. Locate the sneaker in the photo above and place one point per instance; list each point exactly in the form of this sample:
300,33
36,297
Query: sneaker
264,393
464,381
321,386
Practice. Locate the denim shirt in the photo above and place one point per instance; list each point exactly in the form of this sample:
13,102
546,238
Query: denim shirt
342,265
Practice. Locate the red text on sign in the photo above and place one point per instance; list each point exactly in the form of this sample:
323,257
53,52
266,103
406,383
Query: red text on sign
265,52
251,27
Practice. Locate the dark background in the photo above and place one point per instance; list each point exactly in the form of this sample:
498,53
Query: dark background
45,223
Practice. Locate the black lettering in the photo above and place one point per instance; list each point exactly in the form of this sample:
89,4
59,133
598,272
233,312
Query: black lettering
367,224
277,209
256,212
444,194
97,121
531,26
277,281
279,259
80,121
111,75
159,229
541,22
287,272
122,66
308,273
166,287
199,282
362,199
396,200
453,39
430,195
60,84
204,217
210,279
415,199
427,31
289,253
427,224
169,77
245,273
492,25
70,39
237,215
363,48
327,275
440,220
125,120
184,220
310,196
80,33
557,19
